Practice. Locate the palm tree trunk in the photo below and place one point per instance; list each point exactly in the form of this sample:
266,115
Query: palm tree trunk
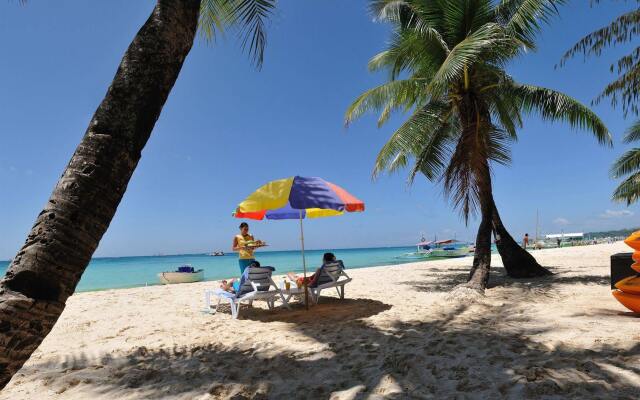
479,274
47,269
474,122
518,262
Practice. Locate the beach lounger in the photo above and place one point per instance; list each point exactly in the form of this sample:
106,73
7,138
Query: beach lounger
332,275
256,285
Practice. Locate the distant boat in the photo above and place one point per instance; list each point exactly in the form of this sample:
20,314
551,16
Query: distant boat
448,248
184,274
218,253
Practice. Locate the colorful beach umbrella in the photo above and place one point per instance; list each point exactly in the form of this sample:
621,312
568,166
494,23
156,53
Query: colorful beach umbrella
291,198
298,198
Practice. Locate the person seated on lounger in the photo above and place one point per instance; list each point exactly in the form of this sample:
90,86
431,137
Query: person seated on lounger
311,280
233,285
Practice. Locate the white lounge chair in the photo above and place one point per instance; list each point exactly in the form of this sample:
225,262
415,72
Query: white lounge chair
257,286
332,275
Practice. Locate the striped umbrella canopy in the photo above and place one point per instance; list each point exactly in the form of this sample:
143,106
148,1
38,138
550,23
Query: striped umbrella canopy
298,197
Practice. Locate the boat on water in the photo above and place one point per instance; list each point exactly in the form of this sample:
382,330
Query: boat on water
184,274
218,253
448,248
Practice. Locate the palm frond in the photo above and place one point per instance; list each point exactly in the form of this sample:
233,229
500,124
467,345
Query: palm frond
210,20
389,10
622,30
625,89
629,190
434,149
459,179
422,129
410,51
627,164
391,95
498,142
633,133
555,106
524,18
248,16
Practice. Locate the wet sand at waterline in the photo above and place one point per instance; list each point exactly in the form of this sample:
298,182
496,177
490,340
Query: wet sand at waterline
397,335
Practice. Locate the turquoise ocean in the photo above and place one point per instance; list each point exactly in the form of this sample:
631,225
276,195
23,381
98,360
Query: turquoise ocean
125,272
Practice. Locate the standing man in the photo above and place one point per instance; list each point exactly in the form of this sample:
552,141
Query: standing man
525,241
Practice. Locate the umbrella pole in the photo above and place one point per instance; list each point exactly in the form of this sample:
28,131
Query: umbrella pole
304,265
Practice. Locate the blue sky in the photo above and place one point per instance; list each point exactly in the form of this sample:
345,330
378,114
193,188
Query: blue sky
228,128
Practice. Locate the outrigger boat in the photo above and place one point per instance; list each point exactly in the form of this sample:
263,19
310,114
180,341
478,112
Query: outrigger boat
448,248
184,274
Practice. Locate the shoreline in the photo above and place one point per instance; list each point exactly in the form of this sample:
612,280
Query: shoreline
396,334
151,279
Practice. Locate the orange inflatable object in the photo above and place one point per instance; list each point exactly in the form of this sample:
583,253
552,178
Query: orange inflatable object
628,293
631,301
630,285
633,241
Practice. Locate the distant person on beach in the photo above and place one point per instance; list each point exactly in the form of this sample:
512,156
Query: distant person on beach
245,244
311,280
525,241
559,241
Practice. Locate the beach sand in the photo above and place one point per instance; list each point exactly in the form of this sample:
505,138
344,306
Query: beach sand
396,335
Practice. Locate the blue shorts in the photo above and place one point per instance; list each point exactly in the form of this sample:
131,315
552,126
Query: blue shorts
244,263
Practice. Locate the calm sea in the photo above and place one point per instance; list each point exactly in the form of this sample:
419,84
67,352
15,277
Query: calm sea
124,272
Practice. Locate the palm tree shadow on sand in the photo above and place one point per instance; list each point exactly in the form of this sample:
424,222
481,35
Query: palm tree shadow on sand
438,280
441,358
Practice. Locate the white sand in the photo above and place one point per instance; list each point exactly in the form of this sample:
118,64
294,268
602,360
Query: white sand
395,336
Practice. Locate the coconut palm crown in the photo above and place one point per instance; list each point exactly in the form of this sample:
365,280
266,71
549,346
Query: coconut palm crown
446,62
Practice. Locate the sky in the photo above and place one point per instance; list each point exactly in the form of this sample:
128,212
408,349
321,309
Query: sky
227,128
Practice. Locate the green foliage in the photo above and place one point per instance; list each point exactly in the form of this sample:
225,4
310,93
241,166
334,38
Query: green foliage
628,167
625,88
248,17
615,233
446,64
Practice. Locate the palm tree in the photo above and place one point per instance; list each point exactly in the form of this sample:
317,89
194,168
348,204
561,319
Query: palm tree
48,267
625,90
446,63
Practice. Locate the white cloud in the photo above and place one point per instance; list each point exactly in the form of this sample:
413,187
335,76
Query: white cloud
616,213
561,221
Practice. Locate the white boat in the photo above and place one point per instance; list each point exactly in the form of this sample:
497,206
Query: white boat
181,276
448,248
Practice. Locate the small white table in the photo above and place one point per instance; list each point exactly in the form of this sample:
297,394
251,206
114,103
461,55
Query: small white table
293,291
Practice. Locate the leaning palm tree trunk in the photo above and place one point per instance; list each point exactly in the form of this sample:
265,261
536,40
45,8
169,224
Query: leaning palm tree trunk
47,269
479,274
517,261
